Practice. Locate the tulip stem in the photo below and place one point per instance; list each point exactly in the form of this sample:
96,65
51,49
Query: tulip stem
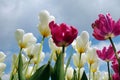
90,72
116,55
27,66
79,67
93,75
40,50
109,78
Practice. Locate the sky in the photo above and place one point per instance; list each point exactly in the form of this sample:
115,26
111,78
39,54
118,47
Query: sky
23,14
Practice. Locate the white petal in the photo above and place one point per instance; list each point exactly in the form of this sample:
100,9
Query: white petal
29,39
19,35
2,57
2,67
69,73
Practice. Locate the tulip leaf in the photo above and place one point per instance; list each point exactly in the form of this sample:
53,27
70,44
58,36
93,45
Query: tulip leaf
59,68
20,68
68,62
43,73
84,77
74,75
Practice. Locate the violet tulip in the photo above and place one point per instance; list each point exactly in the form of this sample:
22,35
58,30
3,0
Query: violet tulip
106,54
63,34
105,27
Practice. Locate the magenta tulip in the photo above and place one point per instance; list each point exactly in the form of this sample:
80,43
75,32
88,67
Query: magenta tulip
115,76
63,35
105,27
106,54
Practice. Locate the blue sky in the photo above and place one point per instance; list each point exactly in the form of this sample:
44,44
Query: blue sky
23,14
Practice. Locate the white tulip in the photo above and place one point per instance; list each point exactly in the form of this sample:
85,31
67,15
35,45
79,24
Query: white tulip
32,50
82,43
81,72
2,68
69,73
35,58
53,47
94,67
97,76
24,40
43,26
77,62
2,57
29,72
91,56
105,75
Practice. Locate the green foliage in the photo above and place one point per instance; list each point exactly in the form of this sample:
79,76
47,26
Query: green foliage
20,68
43,73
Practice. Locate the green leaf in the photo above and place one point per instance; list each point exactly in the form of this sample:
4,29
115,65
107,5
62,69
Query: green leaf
84,77
20,68
59,68
74,75
68,62
43,73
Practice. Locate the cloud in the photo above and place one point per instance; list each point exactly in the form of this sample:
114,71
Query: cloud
24,14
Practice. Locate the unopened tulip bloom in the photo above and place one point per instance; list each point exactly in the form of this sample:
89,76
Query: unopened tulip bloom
2,57
106,54
24,39
77,62
94,67
28,74
43,26
69,73
81,72
81,43
32,50
91,56
63,34
53,47
2,68
105,27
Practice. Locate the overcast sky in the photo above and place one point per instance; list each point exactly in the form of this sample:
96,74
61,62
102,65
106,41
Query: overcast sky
24,14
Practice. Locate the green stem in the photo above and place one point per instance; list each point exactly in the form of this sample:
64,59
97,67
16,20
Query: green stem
21,65
37,65
116,55
27,66
109,78
32,70
90,72
93,75
79,67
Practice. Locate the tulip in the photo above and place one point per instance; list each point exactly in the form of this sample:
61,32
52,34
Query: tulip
115,76
81,72
24,40
62,35
32,50
105,27
106,54
28,74
2,57
79,63
94,67
69,73
43,26
91,56
105,77
82,43
53,47
2,68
